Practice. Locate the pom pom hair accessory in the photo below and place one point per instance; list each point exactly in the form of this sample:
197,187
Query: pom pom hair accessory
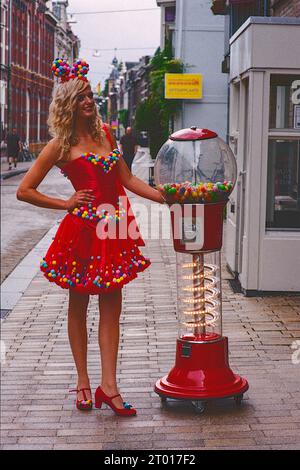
62,70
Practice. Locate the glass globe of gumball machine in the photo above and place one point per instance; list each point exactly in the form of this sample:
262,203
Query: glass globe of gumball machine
195,171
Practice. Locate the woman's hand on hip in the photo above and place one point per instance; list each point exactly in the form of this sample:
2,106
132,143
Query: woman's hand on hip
83,196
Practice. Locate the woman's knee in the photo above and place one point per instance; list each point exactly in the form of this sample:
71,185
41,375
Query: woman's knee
110,303
111,298
78,303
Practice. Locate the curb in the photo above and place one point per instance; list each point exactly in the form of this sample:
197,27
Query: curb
16,283
7,175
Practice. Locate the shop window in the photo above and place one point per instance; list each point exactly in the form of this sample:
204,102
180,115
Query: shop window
241,10
283,190
170,14
235,106
285,102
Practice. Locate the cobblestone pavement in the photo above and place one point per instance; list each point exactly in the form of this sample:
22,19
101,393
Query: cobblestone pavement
38,413
23,224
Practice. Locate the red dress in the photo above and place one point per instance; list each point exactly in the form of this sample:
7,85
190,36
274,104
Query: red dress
78,258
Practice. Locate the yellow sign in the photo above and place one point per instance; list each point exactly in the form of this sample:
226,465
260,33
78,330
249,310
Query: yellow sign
183,86
98,89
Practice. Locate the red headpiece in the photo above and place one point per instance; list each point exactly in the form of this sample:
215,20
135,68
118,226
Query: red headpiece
62,70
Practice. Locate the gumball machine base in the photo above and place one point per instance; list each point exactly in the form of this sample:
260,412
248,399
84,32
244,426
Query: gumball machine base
202,372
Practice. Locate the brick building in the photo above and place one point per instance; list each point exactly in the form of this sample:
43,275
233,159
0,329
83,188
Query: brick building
4,60
37,31
285,8
32,49
66,42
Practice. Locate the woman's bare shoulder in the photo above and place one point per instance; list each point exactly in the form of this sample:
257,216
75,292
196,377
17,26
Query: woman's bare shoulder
54,144
52,150
112,135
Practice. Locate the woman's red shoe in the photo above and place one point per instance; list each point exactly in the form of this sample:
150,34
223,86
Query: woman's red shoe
84,404
101,397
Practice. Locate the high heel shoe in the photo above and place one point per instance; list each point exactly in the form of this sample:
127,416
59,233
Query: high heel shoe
84,404
101,397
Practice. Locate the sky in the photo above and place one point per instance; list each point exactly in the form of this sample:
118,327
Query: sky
114,30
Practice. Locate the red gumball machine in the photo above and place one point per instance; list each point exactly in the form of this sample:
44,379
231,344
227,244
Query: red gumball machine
195,171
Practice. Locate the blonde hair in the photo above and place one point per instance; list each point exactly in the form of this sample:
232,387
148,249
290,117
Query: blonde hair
62,115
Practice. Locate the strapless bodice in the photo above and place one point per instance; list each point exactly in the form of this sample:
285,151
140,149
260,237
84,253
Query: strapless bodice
96,172
99,173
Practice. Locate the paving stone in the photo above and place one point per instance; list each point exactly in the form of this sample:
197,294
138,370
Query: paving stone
38,413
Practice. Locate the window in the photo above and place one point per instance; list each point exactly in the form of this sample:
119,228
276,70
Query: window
283,194
283,180
27,116
285,102
170,13
39,119
28,40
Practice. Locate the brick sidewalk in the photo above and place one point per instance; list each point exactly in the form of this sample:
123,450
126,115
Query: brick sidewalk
38,412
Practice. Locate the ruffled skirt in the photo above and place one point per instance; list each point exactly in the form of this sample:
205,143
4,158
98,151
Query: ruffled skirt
78,259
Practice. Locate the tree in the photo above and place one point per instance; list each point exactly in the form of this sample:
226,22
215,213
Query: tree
123,117
155,114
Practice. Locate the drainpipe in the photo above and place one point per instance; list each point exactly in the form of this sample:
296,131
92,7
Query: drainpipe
179,27
179,16
9,87
266,8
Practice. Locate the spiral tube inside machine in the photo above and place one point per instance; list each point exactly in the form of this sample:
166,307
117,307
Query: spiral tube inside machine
198,295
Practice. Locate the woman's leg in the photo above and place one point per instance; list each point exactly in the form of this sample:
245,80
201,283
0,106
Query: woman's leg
110,305
77,332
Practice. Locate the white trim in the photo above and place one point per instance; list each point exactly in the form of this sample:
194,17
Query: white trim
38,130
28,42
27,116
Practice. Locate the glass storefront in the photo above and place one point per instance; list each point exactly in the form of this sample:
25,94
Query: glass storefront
283,190
283,193
285,102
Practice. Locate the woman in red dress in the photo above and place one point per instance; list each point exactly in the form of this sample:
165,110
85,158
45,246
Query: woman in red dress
88,256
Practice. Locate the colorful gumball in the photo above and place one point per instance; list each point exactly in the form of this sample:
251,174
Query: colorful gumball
203,193
61,68
80,69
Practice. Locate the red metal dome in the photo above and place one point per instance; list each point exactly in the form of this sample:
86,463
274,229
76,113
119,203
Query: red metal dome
193,133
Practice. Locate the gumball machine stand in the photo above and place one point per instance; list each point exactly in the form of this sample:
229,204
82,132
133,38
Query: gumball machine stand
195,171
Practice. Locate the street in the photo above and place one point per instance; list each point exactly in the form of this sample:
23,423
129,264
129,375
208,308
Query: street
205,95
23,224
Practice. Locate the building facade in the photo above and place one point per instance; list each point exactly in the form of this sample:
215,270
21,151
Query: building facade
167,23
128,85
4,68
34,34
32,46
197,39
67,44
263,223
285,8
136,86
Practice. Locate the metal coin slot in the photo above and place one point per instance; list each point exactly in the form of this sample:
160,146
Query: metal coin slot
186,350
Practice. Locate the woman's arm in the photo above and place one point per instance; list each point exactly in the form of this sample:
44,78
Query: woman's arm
27,189
134,184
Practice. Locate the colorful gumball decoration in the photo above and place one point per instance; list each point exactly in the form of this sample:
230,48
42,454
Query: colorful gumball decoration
201,192
61,69
80,69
